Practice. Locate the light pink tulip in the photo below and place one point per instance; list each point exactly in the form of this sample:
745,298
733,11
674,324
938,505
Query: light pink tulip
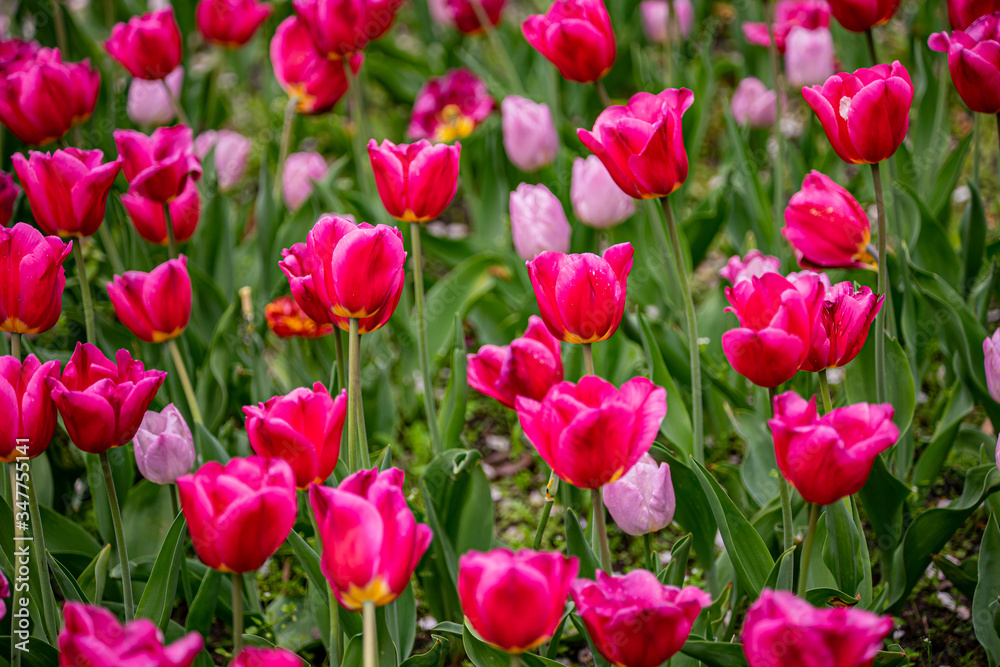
537,221
809,56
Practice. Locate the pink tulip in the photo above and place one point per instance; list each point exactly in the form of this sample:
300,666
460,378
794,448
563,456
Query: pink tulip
416,182
150,221
591,433
830,457
782,630
597,200
462,14
230,23
371,542
963,13
4,593
148,102
67,189
529,135
809,57
164,447
657,23
101,402
14,51
991,352
159,165
537,222
94,636
754,104
32,279
788,15
642,501
450,107
576,36
154,306
26,408
230,151
298,264
497,589
252,656
148,46
306,75
777,318
863,15
529,366
843,326
827,227
634,620
341,28
582,297
642,144
8,195
753,265
287,319
974,62
302,171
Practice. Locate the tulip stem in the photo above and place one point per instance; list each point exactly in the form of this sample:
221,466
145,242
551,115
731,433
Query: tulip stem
182,374
824,388
515,661
550,499
872,53
807,549
60,25
647,548
285,146
357,449
116,519
88,304
370,634
779,164
41,557
787,518
175,503
602,93
976,149
601,530
15,346
883,285
171,238
425,356
338,346
237,580
588,359
692,327
175,102
356,104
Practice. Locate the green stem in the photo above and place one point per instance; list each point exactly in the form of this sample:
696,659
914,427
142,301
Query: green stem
600,536
787,519
872,53
110,250
692,330
284,147
15,610
176,103
359,405
778,79
647,548
15,346
171,237
515,660
237,580
88,304
425,356
175,503
673,40
588,359
358,137
550,499
883,286
60,24
353,351
807,549
116,519
499,52
338,344
370,634
977,151
602,93
182,374
824,387
41,558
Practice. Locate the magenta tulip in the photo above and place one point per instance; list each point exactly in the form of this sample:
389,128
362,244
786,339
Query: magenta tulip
463,15
450,107
842,330
753,265
154,306
32,279
158,166
150,221
754,104
164,447
14,51
297,264
963,13
341,28
537,222
863,15
974,62
827,227
26,408
315,82
788,14
415,181
597,200
8,195
576,36
529,135
230,23
252,656
148,46
529,366
642,501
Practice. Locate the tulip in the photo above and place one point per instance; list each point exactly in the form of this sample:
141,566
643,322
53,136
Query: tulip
150,222
642,501
4,593
642,144
781,630
590,433
8,195
159,165
14,51
230,23
371,542
963,13
93,636
462,14
830,457
576,36
634,620
788,15
231,151
991,353
777,318
251,656
415,181
754,104
154,306
240,513
148,46
32,279
582,297
865,114
537,222
597,200
302,171
515,600
297,264
529,135
843,326
26,407
67,189
303,428
754,265
306,75
341,28
657,24
529,366
164,448
149,103
863,15
450,107
102,403
809,57
827,226
974,62
287,320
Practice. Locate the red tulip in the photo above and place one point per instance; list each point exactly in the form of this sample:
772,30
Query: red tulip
866,114
239,513
415,181
582,297
788,14
974,62
8,195
463,15
515,601
827,226
32,279
159,165
230,23
576,36
963,13
148,218
26,409
777,318
148,46
863,15
371,542
450,107
843,326
298,264
316,82
529,366
634,620
341,28
67,189
302,428
642,144
252,656
102,403
154,306
591,433
830,457
287,320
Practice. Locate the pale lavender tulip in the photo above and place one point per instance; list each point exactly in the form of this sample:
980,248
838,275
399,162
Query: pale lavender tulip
809,56
597,200
232,150
529,135
753,104
537,221
656,19
991,350
754,265
148,102
302,170
164,448
642,500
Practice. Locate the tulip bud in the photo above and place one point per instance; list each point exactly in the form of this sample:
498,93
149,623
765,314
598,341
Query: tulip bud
657,24
863,15
974,62
642,501
302,170
8,195
753,104
230,23
450,107
499,587
26,409
597,200
529,135
754,265
306,75
148,46
843,326
537,221
154,306
371,542
963,13
32,279
529,366
148,102
788,14
809,56
991,352
341,28
827,226
462,14
252,656
416,182
287,320
164,448
231,151
576,36
158,166
150,222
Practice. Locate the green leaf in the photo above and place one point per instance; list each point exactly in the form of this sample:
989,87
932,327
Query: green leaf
435,657
95,577
37,653
758,469
695,513
209,447
987,591
895,656
202,609
782,574
883,496
482,654
68,586
928,466
676,426
945,179
715,654
456,293
673,574
973,228
157,601
964,577
860,381
840,552
309,559
451,418
577,545
599,660
829,597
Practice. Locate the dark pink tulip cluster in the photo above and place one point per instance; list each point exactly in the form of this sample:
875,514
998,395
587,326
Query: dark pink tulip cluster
788,14
148,46
528,367
827,227
32,279
576,36
159,166
450,107
974,62
415,181
230,23
154,306
26,407
315,82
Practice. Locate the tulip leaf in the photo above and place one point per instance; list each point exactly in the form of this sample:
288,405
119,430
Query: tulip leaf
157,601
900,391
891,658
456,293
843,542
209,447
93,579
759,464
830,597
309,559
68,586
202,608
435,657
37,653
987,591
388,655
673,574
781,575
577,545
451,417
676,426
695,513
928,466
482,654
715,654
965,577
945,177
599,660
7,558
973,228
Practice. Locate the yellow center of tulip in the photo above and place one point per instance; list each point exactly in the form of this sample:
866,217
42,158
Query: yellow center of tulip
163,336
376,591
14,325
453,124
862,255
